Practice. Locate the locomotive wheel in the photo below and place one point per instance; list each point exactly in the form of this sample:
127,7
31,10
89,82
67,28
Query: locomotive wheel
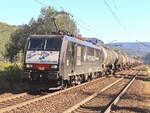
78,80
65,84
72,80
89,78
103,73
111,72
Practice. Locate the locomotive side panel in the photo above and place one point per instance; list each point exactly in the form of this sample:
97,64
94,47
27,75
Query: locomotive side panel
80,59
68,66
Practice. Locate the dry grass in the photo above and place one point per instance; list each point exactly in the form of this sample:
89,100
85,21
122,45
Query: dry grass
148,69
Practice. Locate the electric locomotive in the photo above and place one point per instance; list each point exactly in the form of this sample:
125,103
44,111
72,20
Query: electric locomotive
62,58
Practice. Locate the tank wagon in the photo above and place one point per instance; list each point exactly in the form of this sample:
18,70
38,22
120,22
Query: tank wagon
69,60
110,58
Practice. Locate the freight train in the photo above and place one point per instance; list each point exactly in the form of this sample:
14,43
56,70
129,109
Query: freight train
68,60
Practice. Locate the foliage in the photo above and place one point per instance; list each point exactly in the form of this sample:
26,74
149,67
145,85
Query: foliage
5,32
11,77
146,79
44,25
12,73
4,65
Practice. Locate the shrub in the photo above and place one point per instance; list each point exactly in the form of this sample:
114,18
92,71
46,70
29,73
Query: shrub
11,78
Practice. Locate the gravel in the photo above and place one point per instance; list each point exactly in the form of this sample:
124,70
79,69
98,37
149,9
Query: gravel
99,103
133,101
17,100
5,95
59,103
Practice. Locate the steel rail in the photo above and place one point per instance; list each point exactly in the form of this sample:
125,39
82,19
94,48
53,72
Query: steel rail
9,108
13,97
114,102
90,97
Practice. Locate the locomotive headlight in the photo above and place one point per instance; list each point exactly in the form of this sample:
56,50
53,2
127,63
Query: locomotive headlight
29,65
54,66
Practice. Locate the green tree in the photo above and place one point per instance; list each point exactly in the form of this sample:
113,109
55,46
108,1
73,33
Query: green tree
44,25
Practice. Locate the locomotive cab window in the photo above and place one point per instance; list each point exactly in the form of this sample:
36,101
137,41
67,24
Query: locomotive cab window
36,44
49,44
53,44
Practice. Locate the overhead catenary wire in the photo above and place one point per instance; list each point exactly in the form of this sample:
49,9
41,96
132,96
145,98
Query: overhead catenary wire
84,26
114,15
114,4
41,3
116,8
87,29
117,16
87,26
57,4
71,14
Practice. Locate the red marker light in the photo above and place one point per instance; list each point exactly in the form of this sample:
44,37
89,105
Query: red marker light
41,66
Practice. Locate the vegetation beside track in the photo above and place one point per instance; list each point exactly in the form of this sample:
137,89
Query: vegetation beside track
11,78
147,78
148,69
5,33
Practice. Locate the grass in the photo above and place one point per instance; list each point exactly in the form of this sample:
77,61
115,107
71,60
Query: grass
148,69
11,78
147,78
4,65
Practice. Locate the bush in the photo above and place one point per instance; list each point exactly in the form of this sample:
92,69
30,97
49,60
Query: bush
4,65
11,78
12,73
146,79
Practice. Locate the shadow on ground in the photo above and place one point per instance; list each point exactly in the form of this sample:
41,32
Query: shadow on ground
117,108
132,109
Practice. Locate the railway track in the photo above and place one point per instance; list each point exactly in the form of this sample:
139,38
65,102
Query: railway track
116,99
26,101
6,103
103,100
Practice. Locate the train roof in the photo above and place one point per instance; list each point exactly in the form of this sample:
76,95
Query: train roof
81,42
46,36
69,38
96,41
